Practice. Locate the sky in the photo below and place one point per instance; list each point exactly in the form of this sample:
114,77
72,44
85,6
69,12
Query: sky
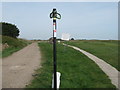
82,20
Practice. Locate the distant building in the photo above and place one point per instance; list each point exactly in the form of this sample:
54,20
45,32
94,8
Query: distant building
65,36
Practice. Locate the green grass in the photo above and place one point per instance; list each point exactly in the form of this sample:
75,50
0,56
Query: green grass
9,51
44,78
76,69
14,45
104,49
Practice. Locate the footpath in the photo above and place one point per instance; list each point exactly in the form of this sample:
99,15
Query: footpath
109,70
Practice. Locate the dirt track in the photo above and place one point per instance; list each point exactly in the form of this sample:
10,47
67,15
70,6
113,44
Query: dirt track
18,68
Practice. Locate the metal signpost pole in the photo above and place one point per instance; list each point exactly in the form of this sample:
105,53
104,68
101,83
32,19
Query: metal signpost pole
54,15
54,53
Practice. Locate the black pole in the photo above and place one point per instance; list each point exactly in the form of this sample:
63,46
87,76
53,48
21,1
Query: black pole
55,16
54,54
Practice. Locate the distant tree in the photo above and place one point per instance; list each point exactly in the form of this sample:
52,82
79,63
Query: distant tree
9,30
72,38
51,40
59,39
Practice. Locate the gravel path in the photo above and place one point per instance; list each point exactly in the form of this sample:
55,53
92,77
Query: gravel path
18,68
109,70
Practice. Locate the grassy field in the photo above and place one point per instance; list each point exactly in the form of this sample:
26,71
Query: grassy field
14,45
106,50
77,70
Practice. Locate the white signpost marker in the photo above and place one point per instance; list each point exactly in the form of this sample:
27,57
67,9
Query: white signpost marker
58,80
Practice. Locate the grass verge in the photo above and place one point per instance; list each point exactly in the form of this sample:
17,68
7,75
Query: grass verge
44,78
104,49
77,70
9,51
14,45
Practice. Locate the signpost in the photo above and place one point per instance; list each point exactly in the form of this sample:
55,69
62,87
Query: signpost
55,16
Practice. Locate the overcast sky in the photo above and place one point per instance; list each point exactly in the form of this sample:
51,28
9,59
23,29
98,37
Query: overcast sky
82,20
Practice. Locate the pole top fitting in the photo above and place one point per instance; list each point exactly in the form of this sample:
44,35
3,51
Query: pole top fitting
54,14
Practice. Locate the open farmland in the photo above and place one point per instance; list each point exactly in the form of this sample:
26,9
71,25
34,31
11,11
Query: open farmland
77,70
104,49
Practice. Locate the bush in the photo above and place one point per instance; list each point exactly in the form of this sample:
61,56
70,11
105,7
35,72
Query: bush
9,30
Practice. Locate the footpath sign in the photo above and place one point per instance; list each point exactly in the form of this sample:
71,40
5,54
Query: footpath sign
54,15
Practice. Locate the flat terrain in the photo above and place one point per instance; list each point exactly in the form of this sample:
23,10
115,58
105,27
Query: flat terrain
103,49
77,70
18,68
109,70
